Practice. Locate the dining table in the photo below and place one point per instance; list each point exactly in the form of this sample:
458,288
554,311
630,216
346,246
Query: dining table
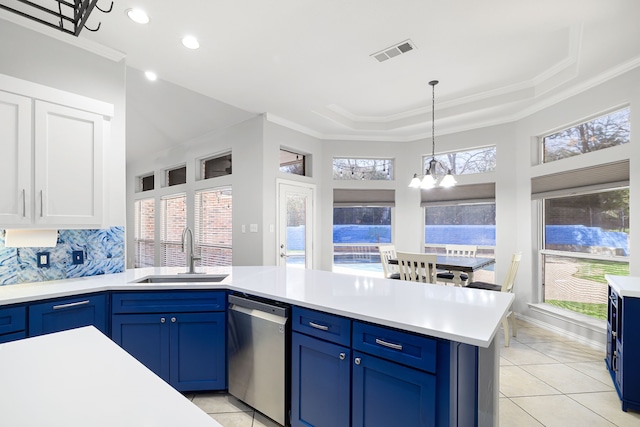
458,265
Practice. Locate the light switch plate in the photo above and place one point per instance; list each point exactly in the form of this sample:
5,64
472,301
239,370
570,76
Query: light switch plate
77,257
253,228
43,259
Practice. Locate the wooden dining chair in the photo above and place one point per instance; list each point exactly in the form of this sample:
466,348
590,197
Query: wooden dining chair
507,286
459,251
388,252
417,267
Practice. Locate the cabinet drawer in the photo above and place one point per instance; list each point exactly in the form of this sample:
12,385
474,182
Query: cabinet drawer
68,313
401,347
172,302
12,319
322,325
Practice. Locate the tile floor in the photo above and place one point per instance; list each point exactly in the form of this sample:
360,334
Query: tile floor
546,379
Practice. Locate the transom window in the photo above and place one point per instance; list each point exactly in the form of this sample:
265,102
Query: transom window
363,169
293,163
146,183
466,162
177,176
602,132
216,166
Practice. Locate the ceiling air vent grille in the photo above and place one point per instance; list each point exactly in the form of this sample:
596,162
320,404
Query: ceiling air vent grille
393,51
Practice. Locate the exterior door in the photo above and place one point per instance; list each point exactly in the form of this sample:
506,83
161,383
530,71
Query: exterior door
295,223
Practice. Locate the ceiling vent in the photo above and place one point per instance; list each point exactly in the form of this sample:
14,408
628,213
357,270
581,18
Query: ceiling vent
393,51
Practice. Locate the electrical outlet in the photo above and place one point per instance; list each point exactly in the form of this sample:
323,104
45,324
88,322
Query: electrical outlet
77,257
43,259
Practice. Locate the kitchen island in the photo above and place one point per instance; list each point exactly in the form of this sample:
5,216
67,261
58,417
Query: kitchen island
81,378
468,316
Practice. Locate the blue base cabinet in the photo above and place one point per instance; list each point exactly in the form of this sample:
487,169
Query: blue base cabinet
321,379
68,313
351,373
185,346
13,322
623,348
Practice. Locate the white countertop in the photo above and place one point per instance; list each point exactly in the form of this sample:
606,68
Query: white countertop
470,316
81,378
626,286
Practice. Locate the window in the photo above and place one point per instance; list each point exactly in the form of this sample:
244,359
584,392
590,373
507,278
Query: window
603,132
467,162
144,232
177,176
213,226
463,224
216,166
173,220
363,169
293,163
357,231
585,237
146,183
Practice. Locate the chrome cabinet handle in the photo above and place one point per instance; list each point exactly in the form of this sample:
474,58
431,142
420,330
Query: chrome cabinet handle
357,361
173,320
71,304
318,326
162,320
24,203
342,356
389,344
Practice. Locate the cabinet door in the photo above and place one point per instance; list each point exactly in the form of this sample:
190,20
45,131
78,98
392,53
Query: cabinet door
68,166
68,313
197,355
320,383
15,146
388,394
145,337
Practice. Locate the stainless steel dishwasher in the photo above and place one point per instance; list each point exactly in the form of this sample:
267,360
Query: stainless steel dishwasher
258,351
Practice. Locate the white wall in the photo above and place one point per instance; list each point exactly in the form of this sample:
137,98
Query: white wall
29,55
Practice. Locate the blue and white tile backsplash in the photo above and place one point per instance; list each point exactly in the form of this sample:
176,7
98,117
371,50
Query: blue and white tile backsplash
103,254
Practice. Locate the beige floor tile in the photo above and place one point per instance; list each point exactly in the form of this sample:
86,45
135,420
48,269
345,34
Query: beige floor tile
523,354
597,370
514,381
565,352
511,415
608,406
260,420
560,411
566,379
505,362
215,403
234,419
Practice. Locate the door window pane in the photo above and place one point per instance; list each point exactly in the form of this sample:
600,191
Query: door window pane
296,230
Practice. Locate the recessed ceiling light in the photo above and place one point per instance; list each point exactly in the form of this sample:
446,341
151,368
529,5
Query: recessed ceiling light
151,75
138,15
190,42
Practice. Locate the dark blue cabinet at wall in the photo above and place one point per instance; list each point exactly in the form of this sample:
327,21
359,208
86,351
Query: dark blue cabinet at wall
179,335
623,348
12,323
68,313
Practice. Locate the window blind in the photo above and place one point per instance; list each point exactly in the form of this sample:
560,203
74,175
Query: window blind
359,197
460,194
605,176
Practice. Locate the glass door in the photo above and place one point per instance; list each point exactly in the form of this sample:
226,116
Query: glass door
295,243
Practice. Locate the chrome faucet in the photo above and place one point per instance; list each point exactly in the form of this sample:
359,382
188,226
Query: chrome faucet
190,250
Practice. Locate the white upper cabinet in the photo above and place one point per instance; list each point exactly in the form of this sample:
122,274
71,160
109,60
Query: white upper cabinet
52,158
15,171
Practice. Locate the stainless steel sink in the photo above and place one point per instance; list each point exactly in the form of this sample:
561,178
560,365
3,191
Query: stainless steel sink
182,278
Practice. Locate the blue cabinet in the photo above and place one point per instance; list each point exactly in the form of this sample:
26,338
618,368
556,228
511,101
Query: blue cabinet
186,346
12,323
68,313
623,348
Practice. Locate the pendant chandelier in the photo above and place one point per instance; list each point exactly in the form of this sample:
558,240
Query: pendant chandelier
430,178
